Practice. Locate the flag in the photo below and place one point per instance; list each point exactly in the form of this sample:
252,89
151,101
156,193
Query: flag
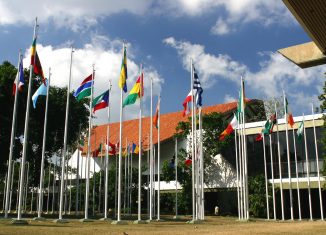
230,128
123,72
197,87
188,160
134,149
268,127
300,130
81,144
155,121
97,151
135,92
289,116
33,51
101,102
19,80
126,151
42,90
172,162
37,68
259,137
242,99
111,148
84,89
185,104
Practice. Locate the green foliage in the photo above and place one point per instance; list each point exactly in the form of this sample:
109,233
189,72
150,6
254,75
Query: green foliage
184,178
257,196
78,117
322,98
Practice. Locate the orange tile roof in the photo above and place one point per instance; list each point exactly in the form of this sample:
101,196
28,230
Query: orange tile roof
169,122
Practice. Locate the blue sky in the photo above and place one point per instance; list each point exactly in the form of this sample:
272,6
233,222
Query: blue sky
225,38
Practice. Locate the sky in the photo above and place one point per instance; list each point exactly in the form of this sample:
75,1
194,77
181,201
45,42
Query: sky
226,39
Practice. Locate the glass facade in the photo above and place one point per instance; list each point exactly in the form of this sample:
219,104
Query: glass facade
256,154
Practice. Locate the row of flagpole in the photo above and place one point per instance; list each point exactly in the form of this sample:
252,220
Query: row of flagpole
197,157
45,91
196,150
268,130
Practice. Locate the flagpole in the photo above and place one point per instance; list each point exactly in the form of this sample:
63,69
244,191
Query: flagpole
279,164
296,172
288,156
128,181
40,197
307,166
192,143
140,152
4,191
130,184
106,182
81,175
22,171
89,150
11,186
48,197
266,183
245,154
77,176
125,179
53,184
272,171
317,162
201,166
237,169
176,178
60,220
12,137
158,158
240,169
120,156
151,157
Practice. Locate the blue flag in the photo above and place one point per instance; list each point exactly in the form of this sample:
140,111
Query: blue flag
197,88
40,91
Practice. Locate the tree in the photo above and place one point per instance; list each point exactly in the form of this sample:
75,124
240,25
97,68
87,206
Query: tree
78,117
322,98
213,124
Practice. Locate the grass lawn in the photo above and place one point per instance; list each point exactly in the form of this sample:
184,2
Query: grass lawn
212,225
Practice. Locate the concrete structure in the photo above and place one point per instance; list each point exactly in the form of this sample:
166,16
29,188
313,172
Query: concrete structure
311,15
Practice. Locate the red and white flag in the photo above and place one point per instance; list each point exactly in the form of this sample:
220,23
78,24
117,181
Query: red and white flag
185,104
230,128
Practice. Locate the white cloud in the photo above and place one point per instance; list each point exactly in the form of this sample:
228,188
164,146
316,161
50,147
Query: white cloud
228,98
107,60
82,14
235,13
220,27
75,14
210,67
275,73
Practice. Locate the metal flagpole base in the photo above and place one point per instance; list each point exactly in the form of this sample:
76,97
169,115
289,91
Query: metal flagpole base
105,219
61,221
159,220
140,222
149,221
19,222
119,222
86,220
195,222
39,218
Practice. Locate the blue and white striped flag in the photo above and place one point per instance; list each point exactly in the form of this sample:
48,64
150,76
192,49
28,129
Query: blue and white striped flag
197,87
